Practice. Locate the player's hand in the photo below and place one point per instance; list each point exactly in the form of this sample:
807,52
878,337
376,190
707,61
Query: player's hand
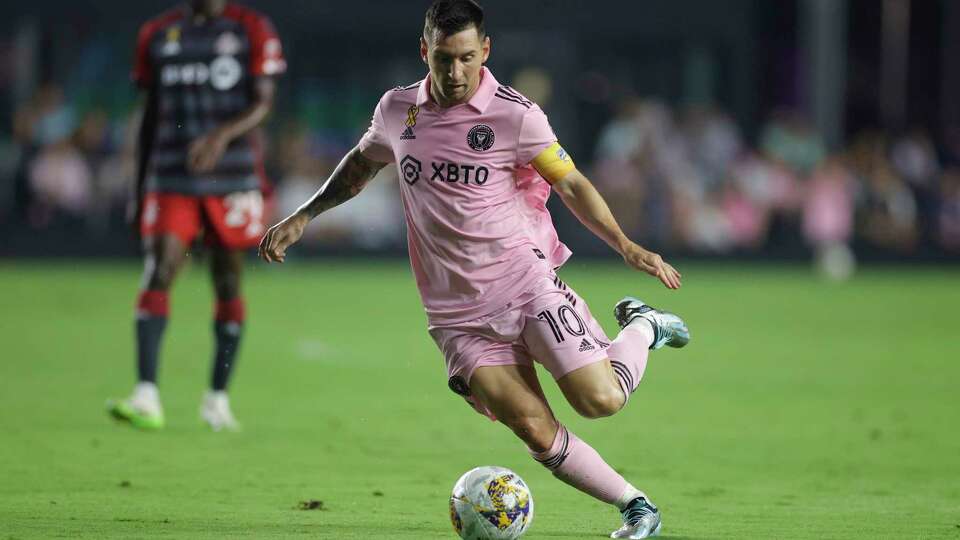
274,244
653,264
206,151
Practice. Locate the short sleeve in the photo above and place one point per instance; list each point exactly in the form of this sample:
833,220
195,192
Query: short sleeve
142,74
266,52
535,135
375,143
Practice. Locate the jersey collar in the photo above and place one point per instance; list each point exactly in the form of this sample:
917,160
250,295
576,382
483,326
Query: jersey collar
480,100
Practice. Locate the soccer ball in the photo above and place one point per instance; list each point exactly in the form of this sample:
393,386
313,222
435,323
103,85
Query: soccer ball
491,503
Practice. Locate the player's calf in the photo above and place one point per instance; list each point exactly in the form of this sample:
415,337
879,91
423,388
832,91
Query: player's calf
512,394
577,464
537,432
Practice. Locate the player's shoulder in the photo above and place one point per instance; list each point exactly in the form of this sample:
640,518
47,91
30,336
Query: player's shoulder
162,22
404,95
513,101
406,92
411,88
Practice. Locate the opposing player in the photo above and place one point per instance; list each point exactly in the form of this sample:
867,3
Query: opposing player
476,161
207,71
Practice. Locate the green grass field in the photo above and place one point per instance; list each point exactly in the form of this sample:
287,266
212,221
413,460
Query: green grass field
801,409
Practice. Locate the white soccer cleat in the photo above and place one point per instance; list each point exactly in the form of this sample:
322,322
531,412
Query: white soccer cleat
668,328
216,412
641,519
142,409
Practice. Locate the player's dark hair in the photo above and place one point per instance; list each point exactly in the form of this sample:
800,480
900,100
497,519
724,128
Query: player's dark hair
447,17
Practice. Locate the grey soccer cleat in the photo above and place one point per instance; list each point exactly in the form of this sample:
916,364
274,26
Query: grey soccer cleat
641,519
668,329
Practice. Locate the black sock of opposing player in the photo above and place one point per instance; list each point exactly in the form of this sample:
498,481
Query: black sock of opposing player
152,311
227,328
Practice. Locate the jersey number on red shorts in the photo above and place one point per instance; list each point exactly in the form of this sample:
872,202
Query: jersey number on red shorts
245,210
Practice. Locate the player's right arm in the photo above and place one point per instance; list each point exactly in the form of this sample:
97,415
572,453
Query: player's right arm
147,112
143,76
350,177
357,168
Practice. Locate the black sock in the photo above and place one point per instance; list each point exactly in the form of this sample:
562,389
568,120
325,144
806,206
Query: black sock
227,335
149,333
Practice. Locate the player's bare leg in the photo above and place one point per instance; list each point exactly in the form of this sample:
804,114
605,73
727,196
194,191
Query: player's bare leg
513,394
226,268
164,257
603,388
593,390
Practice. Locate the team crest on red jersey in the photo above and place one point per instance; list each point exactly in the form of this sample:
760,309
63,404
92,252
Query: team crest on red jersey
171,46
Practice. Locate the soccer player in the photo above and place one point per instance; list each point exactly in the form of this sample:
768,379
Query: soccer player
476,161
207,69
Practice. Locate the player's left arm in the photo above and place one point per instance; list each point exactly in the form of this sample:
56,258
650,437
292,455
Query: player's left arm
206,151
582,198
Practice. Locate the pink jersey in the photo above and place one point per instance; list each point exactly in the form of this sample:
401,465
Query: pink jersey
478,231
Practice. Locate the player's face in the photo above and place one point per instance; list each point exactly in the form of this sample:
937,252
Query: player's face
208,7
455,63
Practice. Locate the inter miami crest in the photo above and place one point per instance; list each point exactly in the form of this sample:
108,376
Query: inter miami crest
480,137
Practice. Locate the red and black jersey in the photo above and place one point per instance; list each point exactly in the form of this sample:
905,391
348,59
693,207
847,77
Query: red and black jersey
203,75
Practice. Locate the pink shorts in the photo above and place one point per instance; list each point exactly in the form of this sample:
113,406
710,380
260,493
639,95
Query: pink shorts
549,324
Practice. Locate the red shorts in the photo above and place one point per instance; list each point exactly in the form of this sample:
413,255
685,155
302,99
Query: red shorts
234,221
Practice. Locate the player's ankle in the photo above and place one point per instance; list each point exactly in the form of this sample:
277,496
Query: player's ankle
629,494
147,389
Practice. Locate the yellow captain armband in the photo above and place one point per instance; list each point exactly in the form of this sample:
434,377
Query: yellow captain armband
553,164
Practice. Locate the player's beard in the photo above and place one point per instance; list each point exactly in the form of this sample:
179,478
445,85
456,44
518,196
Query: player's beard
456,94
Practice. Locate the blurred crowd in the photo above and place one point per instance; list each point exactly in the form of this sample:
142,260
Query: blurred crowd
70,170
681,180
65,169
689,180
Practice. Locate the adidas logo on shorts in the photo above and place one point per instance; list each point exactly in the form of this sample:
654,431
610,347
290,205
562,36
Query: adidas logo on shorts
585,345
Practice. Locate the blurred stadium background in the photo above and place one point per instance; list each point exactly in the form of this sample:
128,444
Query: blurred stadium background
726,134
740,128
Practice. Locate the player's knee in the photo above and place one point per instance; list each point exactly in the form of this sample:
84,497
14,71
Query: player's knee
537,432
599,403
161,274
